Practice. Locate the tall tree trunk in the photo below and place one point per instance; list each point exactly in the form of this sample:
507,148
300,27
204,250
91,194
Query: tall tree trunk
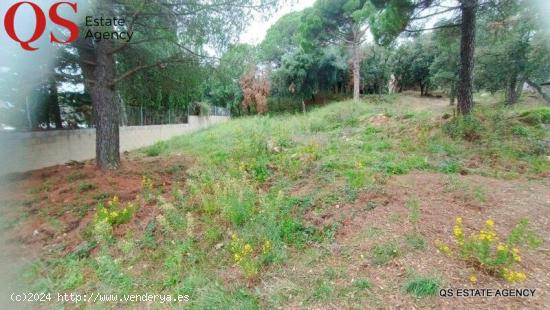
467,41
99,71
356,63
511,91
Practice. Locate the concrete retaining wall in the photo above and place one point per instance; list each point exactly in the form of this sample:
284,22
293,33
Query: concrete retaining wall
24,151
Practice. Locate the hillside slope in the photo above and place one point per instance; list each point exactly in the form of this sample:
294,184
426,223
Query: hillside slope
344,207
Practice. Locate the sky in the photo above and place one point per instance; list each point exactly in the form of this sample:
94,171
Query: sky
257,29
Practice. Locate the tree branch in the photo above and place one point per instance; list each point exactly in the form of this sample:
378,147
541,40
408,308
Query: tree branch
159,63
434,28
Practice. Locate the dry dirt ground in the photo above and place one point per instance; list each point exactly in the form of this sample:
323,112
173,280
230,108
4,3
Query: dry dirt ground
50,208
382,216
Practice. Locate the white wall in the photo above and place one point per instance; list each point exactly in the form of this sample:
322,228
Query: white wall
24,151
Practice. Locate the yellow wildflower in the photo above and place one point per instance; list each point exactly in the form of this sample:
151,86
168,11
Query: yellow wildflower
520,276
457,231
513,276
502,247
473,279
515,254
443,248
459,220
247,248
237,257
266,247
487,235
234,237
490,224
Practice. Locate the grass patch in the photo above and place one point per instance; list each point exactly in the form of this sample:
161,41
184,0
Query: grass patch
536,116
415,241
155,149
85,187
362,284
420,287
382,253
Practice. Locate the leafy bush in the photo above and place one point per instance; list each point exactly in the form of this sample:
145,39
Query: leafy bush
484,251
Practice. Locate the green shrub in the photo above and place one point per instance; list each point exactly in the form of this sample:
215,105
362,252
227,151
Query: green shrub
155,149
536,116
464,127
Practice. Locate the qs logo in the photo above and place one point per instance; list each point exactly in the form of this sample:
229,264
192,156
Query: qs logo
40,27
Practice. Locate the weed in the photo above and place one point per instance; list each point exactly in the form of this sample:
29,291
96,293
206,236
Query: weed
110,272
422,286
371,205
536,116
84,187
362,284
487,253
115,213
372,232
464,127
213,234
147,188
449,166
322,292
414,211
520,131
247,257
415,241
75,176
155,149
383,253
